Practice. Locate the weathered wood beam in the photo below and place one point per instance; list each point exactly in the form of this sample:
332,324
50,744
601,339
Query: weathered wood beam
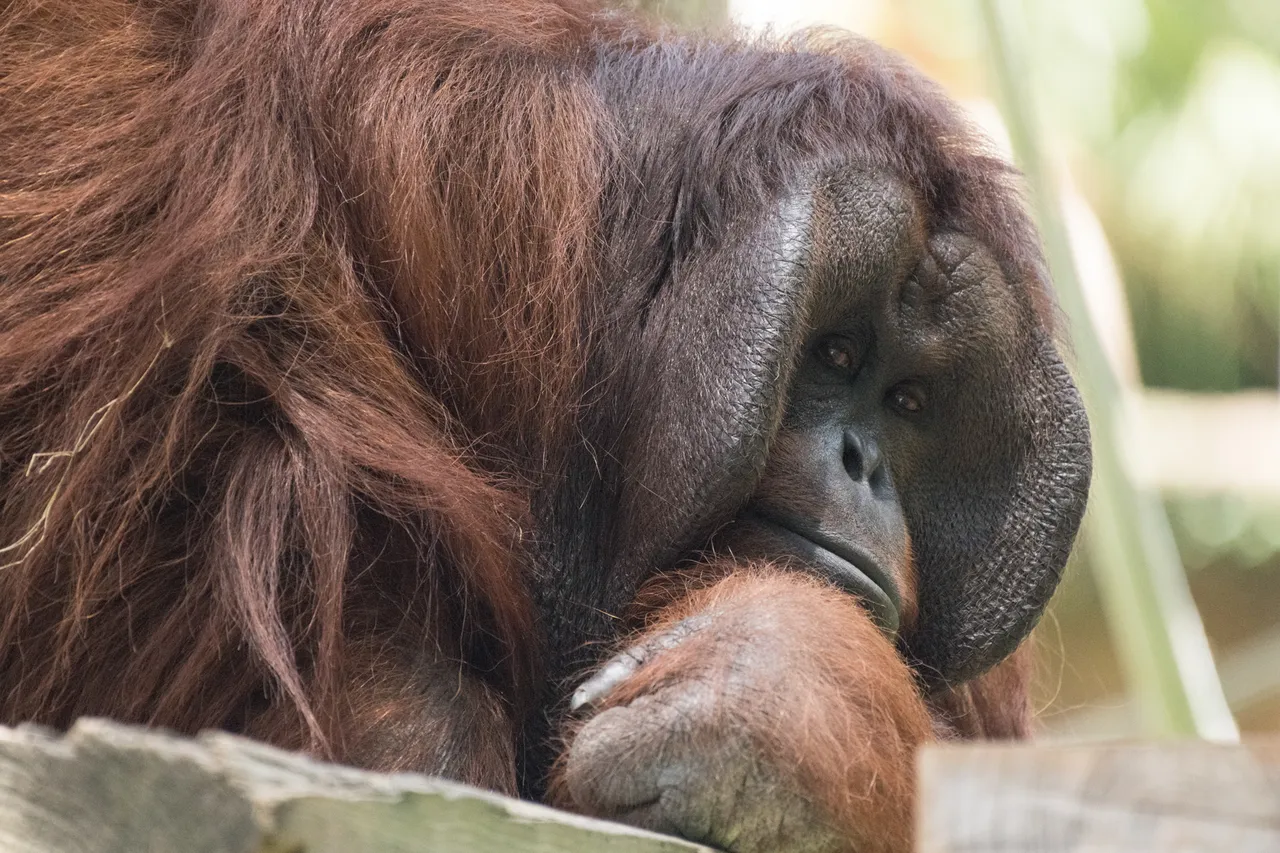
1205,443
1189,797
107,788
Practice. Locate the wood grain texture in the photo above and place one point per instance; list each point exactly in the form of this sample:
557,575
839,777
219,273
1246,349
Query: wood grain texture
106,788
1162,797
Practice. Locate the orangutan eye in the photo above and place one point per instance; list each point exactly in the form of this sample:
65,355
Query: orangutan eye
906,398
837,354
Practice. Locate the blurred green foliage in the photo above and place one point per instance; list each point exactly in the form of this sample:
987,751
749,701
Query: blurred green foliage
1174,110
694,13
1211,527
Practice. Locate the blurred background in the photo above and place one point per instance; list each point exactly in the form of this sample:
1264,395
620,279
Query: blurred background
1149,131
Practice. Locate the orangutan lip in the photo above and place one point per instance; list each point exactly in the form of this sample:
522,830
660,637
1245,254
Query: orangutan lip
845,565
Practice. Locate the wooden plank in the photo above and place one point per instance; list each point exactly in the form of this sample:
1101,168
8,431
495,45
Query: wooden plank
106,788
1182,797
1205,443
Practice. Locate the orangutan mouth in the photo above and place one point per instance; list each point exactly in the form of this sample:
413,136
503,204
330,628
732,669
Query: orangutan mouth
844,564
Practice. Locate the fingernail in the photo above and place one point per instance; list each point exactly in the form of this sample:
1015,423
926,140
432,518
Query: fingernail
603,682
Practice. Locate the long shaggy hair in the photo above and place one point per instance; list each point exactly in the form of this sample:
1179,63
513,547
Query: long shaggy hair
266,269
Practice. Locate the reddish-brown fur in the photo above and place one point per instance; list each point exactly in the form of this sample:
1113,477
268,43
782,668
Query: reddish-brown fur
285,347
186,234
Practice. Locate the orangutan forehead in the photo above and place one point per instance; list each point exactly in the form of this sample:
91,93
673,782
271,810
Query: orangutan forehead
868,233
865,226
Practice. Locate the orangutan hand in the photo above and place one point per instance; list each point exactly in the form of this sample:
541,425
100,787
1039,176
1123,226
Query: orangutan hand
765,713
